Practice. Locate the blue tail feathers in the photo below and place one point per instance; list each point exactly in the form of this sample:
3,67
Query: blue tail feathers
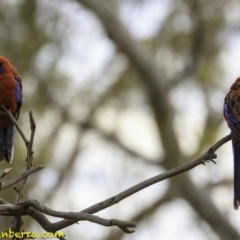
236,155
6,143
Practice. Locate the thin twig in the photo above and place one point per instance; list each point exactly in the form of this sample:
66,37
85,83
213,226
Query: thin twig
30,145
8,112
19,178
29,156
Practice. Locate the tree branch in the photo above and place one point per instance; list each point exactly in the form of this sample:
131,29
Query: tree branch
72,218
205,157
19,178
7,209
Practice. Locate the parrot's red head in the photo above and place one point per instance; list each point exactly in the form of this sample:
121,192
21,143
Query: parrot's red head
5,65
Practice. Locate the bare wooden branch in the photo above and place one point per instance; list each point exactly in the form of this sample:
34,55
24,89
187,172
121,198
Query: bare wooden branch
29,155
30,145
204,158
7,209
37,211
19,178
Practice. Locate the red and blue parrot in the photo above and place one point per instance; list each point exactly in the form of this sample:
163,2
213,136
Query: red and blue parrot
10,98
231,113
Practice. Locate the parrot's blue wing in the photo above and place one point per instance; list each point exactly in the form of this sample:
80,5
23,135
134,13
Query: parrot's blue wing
18,91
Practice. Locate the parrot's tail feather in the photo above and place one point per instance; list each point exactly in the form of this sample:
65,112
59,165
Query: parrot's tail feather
236,153
2,145
9,142
6,143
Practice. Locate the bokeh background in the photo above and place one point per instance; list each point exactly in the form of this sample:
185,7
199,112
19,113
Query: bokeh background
122,90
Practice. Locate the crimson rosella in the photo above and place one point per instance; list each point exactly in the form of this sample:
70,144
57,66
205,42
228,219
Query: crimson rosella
231,113
10,98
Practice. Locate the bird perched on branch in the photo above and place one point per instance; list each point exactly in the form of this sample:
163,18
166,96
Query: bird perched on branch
11,99
231,113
